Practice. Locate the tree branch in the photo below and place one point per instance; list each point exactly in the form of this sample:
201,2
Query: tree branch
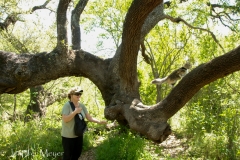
152,19
41,6
131,35
11,19
62,39
145,56
152,119
177,20
221,15
204,74
75,27
29,70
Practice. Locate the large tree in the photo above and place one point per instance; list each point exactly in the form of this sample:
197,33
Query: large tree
115,77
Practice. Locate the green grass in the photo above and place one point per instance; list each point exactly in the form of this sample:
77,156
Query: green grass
40,139
122,146
37,139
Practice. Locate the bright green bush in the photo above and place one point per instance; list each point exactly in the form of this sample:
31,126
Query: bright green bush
37,139
212,123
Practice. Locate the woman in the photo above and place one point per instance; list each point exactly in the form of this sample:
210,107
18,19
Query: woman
72,144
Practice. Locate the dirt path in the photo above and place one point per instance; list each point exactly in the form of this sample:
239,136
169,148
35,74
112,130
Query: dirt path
89,155
173,146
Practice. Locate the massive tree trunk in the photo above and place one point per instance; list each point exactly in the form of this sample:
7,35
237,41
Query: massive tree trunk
116,77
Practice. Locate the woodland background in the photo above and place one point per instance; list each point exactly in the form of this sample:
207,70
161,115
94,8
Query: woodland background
208,127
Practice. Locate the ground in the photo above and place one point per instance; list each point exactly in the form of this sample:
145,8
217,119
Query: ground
88,155
171,147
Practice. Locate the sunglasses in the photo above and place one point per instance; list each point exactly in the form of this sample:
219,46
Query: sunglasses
77,94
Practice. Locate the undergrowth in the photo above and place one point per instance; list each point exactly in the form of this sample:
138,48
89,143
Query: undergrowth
40,139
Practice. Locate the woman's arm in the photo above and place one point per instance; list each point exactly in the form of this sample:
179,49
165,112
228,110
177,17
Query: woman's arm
92,119
67,118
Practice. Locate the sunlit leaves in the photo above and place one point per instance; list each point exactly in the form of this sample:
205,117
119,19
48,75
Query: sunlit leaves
213,116
108,16
7,7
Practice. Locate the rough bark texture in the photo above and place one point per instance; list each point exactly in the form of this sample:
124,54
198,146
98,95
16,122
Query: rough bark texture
115,77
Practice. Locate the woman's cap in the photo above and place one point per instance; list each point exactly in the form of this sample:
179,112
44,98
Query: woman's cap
74,90
78,90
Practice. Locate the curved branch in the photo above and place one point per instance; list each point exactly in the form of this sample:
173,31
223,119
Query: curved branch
229,17
30,70
41,6
204,74
11,19
151,121
177,20
220,17
228,12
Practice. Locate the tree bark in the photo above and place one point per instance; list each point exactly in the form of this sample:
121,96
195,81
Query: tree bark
75,27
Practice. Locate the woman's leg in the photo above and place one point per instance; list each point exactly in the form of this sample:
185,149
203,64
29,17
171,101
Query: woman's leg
68,148
78,147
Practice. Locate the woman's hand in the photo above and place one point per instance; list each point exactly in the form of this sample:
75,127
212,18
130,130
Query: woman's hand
77,110
103,122
95,120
